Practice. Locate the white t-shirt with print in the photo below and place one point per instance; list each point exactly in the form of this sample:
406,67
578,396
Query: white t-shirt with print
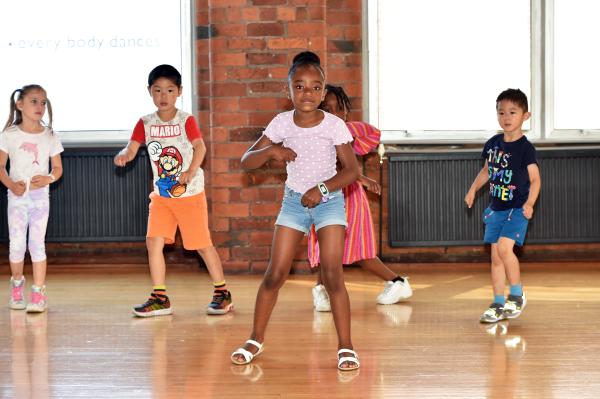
29,153
167,141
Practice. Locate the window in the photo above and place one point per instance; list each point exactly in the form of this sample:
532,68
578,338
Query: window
576,65
437,66
93,58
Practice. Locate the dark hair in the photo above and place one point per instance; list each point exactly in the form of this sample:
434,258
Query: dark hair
167,72
303,59
515,96
340,95
15,117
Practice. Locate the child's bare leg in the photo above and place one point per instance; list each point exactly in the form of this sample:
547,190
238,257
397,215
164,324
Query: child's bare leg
498,272
39,273
378,268
319,275
509,259
156,259
16,270
283,249
213,263
331,241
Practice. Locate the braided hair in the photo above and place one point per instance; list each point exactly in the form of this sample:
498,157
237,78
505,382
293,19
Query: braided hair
340,95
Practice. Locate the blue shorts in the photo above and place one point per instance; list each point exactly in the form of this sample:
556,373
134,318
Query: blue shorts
296,216
509,223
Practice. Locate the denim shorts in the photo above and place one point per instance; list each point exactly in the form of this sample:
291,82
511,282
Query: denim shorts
296,216
510,223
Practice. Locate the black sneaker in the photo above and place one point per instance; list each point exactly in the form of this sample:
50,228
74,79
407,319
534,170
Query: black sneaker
493,314
221,303
514,306
154,306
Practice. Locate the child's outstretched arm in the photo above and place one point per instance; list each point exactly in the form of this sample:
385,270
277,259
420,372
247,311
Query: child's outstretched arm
199,152
347,174
535,184
480,180
264,150
18,187
127,154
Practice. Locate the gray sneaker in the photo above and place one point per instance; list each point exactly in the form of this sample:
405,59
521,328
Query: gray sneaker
514,306
493,314
17,299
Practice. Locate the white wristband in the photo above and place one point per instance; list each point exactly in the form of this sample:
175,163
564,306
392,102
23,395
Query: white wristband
51,176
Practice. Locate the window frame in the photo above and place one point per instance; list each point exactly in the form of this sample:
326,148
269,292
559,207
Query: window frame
542,128
113,138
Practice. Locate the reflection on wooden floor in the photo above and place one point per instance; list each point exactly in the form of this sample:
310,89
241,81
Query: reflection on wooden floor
88,345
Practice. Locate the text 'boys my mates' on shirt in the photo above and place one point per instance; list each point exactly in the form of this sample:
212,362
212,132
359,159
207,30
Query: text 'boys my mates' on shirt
500,177
507,171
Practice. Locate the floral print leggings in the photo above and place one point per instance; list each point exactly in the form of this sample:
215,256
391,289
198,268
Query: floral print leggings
28,212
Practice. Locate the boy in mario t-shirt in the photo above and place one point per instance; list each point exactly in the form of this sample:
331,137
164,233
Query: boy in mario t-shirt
176,150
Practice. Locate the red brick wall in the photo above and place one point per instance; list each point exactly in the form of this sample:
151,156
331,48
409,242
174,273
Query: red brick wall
244,49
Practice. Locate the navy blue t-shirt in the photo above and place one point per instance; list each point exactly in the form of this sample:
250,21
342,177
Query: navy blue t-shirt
507,171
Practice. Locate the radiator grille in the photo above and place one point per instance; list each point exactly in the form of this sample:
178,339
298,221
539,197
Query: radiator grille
94,200
426,194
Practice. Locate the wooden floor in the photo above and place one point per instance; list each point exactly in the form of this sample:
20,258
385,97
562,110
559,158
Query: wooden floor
89,346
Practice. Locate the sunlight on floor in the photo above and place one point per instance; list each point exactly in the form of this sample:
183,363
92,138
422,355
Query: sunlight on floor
540,293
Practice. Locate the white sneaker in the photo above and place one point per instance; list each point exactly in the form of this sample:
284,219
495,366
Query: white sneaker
514,306
321,299
394,292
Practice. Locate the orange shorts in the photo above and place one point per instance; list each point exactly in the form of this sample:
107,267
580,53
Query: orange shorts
189,214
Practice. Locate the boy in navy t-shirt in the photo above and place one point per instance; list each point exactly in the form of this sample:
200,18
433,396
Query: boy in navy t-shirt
514,185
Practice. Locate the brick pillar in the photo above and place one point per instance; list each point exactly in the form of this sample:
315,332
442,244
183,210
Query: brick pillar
344,50
244,49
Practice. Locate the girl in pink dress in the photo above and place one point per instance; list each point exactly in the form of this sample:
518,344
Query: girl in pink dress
360,243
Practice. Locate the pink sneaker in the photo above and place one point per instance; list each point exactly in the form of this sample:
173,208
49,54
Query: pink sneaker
38,302
17,302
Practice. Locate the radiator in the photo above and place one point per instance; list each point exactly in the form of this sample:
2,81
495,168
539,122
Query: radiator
95,200
426,192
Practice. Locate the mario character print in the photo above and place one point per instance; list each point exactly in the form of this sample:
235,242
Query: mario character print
169,162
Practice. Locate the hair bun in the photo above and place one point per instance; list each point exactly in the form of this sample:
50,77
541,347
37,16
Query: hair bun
307,57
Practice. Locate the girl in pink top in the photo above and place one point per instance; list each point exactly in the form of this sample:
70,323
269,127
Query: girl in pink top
359,246
309,141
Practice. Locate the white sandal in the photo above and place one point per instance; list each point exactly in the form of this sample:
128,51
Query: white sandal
351,359
248,356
